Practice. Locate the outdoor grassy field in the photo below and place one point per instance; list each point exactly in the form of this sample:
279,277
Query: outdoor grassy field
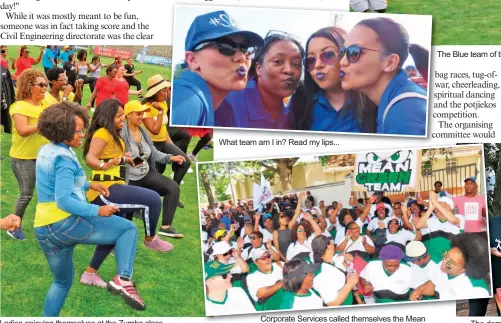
171,283
149,70
456,22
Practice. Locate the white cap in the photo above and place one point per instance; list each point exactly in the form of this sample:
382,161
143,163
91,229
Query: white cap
415,249
258,253
220,248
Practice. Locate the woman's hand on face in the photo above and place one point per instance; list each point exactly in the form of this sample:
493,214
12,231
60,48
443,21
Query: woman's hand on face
177,159
101,188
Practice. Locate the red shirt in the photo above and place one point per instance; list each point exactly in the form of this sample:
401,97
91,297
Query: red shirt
23,63
121,91
4,63
105,89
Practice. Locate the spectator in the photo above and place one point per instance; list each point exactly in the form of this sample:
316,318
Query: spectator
472,206
24,61
298,282
48,60
60,90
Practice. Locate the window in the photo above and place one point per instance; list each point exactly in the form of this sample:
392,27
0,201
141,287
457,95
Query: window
451,165
426,169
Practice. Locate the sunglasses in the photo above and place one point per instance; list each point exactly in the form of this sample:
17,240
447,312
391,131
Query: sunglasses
354,229
41,84
227,253
4,51
283,216
266,256
328,57
228,48
300,230
393,222
448,262
225,275
354,52
254,238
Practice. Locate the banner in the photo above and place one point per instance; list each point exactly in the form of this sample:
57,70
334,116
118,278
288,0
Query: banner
112,52
155,60
262,193
390,171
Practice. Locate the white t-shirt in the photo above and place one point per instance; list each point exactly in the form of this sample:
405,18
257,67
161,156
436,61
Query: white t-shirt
374,224
329,282
402,236
267,235
296,247
257,279
236,302
341,231
358,245
421,275
399,282
307,302
459,287
434,225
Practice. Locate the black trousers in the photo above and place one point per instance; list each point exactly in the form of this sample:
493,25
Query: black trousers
133,81
179,170
478,307
165,187
180,137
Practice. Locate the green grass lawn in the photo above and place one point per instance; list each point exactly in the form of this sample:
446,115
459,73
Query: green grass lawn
170,284
456,22
149,70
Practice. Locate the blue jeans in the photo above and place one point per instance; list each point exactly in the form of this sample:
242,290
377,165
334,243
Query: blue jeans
58,240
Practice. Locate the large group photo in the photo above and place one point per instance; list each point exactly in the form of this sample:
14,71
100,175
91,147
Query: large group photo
301,70
101,191
374,227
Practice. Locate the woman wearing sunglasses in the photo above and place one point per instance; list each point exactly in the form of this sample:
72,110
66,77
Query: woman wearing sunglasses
465,270
274,75
105,154
302,235
375,51
223,253
218,56
24,61
397,235
144,173
26,140
321,104
282,235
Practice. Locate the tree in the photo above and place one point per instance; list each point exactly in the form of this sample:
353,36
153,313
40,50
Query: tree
178,69
205,182
214,176
492,153
272,169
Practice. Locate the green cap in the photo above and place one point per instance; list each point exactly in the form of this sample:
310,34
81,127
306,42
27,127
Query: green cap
216,268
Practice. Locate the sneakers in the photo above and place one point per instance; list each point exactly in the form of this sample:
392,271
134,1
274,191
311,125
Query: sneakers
92,279
158,245
190,170
181,205
170,232
119,286
192,157
18,234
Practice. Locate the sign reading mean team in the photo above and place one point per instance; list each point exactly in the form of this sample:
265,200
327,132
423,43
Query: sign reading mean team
391,171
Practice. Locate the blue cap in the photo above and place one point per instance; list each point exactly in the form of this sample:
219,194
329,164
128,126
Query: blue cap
471,178
214,25
267,216
247,219
410,202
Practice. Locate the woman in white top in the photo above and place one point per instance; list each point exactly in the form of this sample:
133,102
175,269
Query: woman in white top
465,270
298,284
356,244
96,65
301,235
332,284
83,68
223,253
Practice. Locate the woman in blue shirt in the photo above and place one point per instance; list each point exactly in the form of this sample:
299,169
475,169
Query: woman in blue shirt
48,60
321,104
64,219
274,75
375,51
218,56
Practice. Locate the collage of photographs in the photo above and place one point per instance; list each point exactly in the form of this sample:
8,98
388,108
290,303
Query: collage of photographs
110,182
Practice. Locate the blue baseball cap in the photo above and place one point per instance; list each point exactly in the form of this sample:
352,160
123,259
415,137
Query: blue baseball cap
214,25
471,178
410,202
267,216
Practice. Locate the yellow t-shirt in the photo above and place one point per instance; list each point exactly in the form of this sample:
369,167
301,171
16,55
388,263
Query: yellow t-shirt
162,135
50,100
26,147
111,150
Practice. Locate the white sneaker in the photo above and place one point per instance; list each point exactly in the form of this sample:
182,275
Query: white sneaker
190,171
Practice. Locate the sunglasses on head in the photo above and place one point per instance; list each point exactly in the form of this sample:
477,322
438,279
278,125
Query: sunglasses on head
41,84
327,57
354,52
228,47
